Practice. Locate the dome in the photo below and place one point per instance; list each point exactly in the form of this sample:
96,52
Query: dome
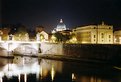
61,26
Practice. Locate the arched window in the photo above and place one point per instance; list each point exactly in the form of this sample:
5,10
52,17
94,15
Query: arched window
41,37
109,36
102,35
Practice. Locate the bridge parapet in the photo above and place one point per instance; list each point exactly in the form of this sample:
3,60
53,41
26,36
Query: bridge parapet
18,47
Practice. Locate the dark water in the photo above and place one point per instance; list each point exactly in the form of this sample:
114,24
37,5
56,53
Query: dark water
25,69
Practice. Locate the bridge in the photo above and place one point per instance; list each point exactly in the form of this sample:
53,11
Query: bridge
20,47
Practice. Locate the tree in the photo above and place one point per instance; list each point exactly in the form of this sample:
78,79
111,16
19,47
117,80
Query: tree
21,33
58,36
61,37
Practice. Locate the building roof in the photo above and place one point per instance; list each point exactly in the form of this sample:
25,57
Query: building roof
61,26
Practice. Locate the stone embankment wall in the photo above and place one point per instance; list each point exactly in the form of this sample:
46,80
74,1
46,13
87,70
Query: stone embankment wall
94,51
91,51
52,48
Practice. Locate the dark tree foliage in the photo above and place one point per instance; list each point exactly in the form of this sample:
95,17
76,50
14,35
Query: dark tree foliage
61,38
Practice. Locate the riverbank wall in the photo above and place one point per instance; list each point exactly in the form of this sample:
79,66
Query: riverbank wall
88,51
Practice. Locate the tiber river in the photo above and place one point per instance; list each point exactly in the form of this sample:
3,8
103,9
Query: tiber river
25,69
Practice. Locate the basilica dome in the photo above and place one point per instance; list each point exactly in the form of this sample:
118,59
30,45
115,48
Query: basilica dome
61,26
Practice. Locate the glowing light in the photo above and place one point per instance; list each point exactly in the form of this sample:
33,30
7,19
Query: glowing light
117,68
13,70
35,47
41,37
10,67
25,77
53,38
10,70
26,69
52,72
41,72
35,67
12,46
1,80
19,78
73,40
73,77
84,42
5,45
1,74
61,21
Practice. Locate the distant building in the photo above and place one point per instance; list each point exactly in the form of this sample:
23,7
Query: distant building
117,37
97,34
61,33
1,33
60,27
41,35
5,33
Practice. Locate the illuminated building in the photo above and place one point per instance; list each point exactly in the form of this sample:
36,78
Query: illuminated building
5,32
61,33
117,37
60,27
1,33
41,35
97,34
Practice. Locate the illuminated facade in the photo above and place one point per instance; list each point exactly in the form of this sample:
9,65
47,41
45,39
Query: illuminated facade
42,36
60,27
117,37
97,34
1,33
4,33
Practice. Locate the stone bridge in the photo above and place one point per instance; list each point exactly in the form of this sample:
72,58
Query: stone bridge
18,47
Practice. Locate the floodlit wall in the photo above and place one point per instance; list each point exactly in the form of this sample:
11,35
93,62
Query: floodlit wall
117,37
94,51
91,51
52,48
94,34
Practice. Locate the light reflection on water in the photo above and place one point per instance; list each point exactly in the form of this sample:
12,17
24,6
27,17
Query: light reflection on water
56,71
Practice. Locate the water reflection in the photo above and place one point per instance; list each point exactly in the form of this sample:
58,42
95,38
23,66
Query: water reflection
34,70
25,77
19,77
52,72
1,80
73,77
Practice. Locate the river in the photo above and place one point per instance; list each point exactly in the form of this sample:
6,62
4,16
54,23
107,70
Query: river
26,69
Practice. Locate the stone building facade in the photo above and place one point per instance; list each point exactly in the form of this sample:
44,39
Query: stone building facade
97,34
117,37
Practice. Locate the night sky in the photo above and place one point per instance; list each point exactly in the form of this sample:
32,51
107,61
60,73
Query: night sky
73,12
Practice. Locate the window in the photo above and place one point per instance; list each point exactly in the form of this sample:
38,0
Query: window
94,36
109,27
10,37
102,35
109,36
